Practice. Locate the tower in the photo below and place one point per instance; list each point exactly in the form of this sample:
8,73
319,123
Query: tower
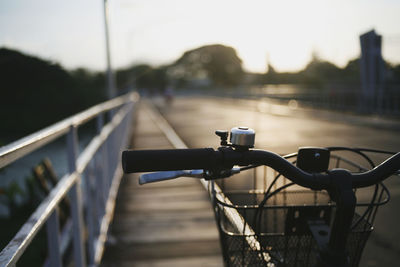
372,71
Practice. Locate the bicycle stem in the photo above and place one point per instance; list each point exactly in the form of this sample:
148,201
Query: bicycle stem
334,253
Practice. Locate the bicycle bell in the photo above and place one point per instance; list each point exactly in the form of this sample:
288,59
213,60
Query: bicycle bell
242,137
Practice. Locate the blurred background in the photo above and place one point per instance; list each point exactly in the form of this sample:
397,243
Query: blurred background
308,51
275,66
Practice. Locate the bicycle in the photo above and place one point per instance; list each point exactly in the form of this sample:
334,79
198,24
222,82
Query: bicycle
310,219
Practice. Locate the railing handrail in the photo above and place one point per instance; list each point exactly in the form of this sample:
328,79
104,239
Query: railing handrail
104,146
16,247
16,150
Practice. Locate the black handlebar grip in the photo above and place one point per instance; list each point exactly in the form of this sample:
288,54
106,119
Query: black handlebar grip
168,159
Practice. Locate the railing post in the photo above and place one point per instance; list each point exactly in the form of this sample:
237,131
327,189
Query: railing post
76,201
99,176
90,212
102,171
53,239
108,158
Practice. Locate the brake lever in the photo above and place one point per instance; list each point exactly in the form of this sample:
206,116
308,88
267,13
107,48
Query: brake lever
168,175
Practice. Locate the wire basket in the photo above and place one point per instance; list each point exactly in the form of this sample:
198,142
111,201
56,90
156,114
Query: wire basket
275,231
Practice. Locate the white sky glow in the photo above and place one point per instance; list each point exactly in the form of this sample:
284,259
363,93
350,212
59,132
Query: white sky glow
159,31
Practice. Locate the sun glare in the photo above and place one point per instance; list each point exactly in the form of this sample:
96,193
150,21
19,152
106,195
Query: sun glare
277,32
285,33
281,33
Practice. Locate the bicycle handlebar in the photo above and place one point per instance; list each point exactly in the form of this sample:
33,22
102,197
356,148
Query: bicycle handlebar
168,159
226,157
379,173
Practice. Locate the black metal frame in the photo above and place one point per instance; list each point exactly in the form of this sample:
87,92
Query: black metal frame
336,238
339,183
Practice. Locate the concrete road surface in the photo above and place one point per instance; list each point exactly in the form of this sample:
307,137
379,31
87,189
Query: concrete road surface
282,129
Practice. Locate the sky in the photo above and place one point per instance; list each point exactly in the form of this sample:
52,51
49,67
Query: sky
284,33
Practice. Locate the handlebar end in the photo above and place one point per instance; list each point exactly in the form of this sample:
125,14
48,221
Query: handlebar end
124,160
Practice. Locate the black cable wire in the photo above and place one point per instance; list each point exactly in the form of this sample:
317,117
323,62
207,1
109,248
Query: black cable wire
379,203
372,165
260,207
368,210
375,151
371,204
355,151
291,155
276,191
249,167
364,150
384,188
258,213
262,203
359,151
288,156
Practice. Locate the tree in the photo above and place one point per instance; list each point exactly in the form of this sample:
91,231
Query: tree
319,71
36,93
142,76
220,64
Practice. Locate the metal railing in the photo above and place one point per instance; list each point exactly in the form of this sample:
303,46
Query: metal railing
97,166
333,96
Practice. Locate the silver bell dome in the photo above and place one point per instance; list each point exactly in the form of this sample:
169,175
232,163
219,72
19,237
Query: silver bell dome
242,136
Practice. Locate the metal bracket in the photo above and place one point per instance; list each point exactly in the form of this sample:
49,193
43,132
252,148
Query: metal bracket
223,173
320,231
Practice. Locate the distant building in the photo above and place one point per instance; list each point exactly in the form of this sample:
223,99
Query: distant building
372,71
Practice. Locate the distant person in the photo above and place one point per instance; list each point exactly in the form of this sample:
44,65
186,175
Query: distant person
168,95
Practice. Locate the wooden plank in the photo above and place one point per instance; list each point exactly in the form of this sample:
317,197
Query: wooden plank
169,223
156,232
165,250
128,218
131,180
159,206
203,261
168,192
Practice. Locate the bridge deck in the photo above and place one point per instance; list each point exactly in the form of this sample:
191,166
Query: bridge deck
165,224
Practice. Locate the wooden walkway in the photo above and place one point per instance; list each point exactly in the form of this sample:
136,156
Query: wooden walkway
169,223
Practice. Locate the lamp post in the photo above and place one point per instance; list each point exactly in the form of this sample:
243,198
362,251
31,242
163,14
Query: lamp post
110,76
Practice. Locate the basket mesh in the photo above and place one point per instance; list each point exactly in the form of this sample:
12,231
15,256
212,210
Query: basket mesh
279,235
